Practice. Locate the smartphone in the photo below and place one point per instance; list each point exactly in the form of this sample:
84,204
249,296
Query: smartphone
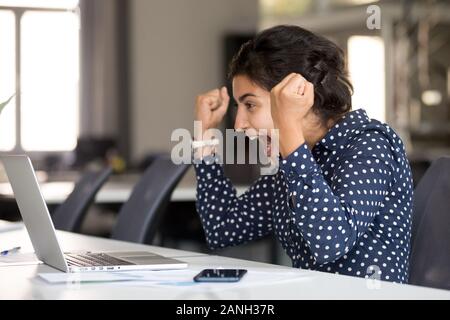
220,275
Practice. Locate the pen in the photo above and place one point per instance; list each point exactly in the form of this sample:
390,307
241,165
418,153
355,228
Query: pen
9,251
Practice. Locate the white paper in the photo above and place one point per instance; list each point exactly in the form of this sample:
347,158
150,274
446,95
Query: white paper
18,259
169,278
185,278
80,277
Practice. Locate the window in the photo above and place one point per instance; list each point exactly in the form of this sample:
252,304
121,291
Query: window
366,69
40,43
7,79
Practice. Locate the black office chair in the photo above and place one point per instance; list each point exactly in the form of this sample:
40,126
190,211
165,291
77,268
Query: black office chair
139,217
70,214
430,242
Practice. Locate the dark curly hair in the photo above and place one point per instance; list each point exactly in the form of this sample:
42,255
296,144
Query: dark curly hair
276,52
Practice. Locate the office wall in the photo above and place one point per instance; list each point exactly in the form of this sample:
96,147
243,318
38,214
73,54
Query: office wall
176,53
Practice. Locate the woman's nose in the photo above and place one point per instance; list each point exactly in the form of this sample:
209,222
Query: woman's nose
241,122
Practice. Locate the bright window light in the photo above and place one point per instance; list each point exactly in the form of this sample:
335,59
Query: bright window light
50,81
366,68
7,80
54,4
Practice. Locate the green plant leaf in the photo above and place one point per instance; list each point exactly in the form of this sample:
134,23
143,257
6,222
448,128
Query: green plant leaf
2,105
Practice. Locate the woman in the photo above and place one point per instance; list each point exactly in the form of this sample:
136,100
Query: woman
341,201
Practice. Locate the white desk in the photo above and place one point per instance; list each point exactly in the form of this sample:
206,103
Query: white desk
20,282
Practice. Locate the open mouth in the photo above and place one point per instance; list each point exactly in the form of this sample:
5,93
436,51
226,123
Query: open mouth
264,142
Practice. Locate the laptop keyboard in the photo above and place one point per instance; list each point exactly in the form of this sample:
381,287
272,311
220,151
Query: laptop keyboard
94,260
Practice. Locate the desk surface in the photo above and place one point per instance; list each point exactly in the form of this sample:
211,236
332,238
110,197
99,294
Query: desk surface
116,190
20,282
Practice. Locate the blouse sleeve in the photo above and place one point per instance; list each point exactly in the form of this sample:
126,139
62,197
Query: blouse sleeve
226,218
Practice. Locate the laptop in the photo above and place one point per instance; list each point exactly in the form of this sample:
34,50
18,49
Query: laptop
42,233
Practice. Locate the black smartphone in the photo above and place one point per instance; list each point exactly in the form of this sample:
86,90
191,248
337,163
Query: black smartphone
220,275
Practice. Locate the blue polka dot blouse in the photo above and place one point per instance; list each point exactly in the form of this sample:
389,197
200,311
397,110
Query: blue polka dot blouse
342,207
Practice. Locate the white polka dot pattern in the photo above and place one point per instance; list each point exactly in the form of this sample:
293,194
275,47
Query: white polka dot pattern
341,208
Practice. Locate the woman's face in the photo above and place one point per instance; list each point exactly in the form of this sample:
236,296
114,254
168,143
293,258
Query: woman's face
253,110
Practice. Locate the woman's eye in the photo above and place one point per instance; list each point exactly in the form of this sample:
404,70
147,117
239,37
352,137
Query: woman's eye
249,105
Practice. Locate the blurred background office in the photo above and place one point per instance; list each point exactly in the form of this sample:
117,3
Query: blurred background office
105,82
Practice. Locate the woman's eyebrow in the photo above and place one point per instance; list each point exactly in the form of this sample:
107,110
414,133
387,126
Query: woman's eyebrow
241,98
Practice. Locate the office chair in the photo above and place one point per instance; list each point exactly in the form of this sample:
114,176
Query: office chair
430,241
139,217
70,214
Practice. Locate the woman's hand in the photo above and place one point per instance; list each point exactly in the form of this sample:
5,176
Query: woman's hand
290,101
210,108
